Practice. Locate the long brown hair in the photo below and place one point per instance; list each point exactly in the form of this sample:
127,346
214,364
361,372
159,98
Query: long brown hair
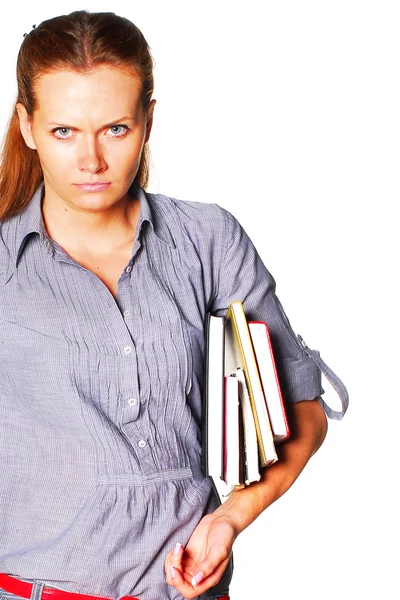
76,42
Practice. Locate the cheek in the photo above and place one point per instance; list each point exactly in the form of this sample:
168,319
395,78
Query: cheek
56,169
54,157
125,158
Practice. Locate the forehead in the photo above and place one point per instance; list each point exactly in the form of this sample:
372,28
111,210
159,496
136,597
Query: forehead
100,90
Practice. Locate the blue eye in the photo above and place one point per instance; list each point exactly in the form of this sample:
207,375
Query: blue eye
118,130
61,132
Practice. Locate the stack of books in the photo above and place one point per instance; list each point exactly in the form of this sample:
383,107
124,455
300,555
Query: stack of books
243,411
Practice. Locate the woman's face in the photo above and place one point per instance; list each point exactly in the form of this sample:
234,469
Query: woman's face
87,129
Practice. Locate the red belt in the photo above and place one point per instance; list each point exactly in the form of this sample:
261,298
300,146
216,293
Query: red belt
24,589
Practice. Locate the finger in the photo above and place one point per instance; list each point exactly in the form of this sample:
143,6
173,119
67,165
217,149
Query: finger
183,581
210,581
176,579
173,562
175,574
175,556
216,556
189,591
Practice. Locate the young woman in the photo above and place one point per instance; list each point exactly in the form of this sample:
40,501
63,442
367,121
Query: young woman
104,290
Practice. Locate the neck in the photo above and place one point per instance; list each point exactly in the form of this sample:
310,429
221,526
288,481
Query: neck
91,230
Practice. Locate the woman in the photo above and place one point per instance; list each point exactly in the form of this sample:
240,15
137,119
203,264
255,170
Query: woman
103,294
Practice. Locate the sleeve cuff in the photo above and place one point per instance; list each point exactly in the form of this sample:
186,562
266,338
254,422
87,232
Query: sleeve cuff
300,379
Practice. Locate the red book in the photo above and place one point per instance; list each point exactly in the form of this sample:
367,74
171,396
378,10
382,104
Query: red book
262,346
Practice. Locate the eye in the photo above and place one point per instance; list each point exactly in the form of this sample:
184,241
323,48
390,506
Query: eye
61,132
119,130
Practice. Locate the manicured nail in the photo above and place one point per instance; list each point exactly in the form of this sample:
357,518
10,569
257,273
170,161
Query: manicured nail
197,578
172,571
177,548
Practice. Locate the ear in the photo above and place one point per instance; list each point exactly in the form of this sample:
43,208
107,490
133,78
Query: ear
149,123
25,126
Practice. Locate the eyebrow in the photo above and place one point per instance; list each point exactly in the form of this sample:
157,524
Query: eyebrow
62,124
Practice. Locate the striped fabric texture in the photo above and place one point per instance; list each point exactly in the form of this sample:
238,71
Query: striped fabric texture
100,397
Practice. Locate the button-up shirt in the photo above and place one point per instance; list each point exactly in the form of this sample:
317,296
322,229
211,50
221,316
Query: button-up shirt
100,397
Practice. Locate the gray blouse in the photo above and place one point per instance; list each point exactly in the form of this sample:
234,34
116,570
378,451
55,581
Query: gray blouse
100,398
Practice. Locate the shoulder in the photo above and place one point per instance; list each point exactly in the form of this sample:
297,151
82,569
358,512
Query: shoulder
188,210
192,219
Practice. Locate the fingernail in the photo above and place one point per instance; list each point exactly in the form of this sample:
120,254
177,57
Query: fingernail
172,571
177,548
197,578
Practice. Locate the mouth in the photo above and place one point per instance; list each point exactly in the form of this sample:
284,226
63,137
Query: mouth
93,187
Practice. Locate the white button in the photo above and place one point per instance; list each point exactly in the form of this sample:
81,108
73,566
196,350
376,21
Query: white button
131,401
141,443
127,349
128,269
127,313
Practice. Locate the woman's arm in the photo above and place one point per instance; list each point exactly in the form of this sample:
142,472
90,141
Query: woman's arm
200,565
308,426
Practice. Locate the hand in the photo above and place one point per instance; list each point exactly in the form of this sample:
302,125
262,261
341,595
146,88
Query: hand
200,565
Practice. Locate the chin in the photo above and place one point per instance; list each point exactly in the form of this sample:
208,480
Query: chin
96,200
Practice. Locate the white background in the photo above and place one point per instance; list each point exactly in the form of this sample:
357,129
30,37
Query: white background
287,113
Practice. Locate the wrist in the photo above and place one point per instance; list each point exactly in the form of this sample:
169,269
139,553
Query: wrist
242,507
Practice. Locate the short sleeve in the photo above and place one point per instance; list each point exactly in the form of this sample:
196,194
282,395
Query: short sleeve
243,276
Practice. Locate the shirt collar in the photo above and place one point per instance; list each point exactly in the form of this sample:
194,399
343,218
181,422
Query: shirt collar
152,212
31,219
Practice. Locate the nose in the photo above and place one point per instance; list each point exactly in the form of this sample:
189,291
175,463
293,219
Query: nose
91,158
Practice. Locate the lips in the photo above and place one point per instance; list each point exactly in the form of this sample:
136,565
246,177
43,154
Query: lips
93,187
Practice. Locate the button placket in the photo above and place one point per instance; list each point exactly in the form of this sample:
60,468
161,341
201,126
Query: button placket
130,402
129,410
129,398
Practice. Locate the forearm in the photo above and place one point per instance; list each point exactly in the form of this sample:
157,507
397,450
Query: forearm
308,429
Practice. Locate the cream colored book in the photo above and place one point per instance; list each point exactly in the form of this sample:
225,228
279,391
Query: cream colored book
213,398
213,408
239,353
233,443
250,445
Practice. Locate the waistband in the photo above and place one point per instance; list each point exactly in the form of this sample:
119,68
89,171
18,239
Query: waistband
24,589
